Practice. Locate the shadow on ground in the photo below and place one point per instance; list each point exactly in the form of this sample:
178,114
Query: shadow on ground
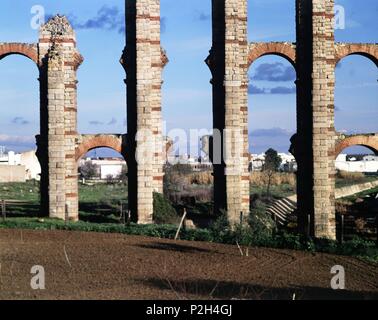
98,213
209,289
23,211
174,247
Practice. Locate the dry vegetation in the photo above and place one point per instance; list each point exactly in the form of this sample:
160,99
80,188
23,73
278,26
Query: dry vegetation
350,175
182,185
255,178
261,179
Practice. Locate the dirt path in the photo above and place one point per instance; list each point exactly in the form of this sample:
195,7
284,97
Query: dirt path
111,266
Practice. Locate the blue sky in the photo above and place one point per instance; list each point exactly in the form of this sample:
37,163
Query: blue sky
186,36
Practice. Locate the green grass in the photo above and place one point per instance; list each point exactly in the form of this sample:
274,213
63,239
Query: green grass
278,192
101,203
28,191
153,230
97,203
102,192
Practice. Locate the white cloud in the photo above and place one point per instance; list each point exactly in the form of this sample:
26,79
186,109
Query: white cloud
4,138
357,85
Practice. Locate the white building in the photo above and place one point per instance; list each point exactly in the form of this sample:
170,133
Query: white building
370,158
197,164
288,164
108,167
32,166
257,161
369,164
12,162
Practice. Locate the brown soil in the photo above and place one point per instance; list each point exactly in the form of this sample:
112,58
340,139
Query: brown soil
112,266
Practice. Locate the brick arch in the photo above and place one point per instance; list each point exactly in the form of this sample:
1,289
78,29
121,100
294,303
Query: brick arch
89,142
369,51
27,50
368,141
285,50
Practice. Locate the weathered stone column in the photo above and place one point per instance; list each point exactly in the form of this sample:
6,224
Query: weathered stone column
229,67
60,60
315,145
143,60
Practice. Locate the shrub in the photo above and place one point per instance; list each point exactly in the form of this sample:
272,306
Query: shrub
110,179
289,241
359,247
221,230
261,226
259,231
163,210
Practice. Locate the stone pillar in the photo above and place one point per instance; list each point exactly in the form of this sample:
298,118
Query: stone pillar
143,60
60,60
316,133
229,67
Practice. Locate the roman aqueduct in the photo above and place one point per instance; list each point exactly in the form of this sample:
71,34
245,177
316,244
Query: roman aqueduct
315,145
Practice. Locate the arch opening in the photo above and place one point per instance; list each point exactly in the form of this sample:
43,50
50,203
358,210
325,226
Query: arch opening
25,50
373,57
88,143
20,168
272,123
355,93
103,186
356,153
279,49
